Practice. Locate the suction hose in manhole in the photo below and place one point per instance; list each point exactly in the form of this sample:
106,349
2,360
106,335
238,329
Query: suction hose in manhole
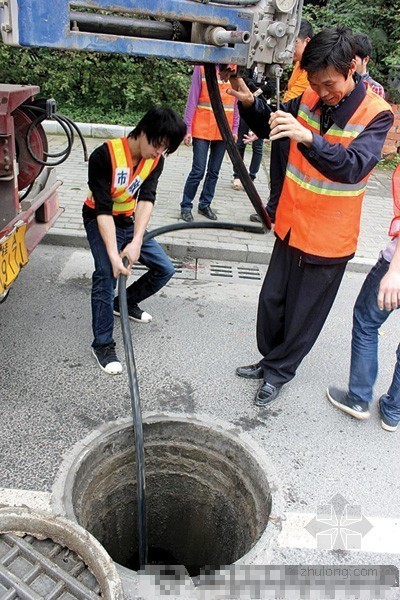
209,491
206,497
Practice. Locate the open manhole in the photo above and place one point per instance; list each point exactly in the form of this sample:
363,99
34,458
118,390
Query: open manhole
208,490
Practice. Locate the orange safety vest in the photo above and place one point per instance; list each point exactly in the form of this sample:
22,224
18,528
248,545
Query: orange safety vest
322,215
204,125
126,180
297,83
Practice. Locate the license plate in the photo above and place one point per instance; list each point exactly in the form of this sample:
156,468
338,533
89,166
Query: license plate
13,256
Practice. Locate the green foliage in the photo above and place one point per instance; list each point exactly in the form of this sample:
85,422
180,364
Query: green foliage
115,88
379,19
96,87
389,163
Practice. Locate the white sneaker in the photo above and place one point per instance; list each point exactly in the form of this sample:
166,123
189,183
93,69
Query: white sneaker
135,313
107,359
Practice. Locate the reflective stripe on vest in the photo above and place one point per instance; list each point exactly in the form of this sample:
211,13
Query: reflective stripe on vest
204,125
125,181
322,215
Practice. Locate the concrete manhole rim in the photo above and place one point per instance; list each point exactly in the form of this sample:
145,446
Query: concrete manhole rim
65,532
61,497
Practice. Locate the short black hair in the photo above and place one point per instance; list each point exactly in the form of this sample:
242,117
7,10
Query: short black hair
162,126
330,48
306,30
362,45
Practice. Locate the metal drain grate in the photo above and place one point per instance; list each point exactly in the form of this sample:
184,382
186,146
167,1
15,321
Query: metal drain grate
31,569
183,270
206,269
236,272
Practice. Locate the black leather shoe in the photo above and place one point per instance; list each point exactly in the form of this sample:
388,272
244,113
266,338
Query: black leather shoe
207,212
186,215
266,394
250,372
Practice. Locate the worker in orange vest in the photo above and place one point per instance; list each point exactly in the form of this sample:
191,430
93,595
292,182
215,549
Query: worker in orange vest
123,179
337,129
204,134
298,81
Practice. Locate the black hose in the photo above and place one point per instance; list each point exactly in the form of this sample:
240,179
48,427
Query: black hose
201,225
126,333
133,382
137,420
237,161
68,126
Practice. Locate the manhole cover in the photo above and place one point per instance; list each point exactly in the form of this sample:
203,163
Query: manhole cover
45,557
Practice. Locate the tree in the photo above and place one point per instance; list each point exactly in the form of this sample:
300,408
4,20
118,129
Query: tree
379,19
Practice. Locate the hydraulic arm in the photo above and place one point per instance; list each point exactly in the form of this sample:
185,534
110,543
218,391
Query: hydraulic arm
243,32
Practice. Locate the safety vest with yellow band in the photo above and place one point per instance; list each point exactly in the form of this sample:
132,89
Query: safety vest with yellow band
125,180
204,124
322,215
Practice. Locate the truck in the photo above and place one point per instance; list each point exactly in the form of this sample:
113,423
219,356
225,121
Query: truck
247,33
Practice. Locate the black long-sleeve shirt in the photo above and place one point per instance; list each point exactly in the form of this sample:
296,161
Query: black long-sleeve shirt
335,161
100,178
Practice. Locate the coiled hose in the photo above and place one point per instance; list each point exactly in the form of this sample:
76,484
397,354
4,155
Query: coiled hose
67,125
257,203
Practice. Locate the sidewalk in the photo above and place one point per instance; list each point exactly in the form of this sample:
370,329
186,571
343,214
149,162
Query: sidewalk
229,205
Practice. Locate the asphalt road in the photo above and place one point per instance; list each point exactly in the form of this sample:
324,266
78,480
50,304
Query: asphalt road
53,395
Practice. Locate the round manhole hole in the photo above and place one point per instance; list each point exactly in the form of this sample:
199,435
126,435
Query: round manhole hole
209,492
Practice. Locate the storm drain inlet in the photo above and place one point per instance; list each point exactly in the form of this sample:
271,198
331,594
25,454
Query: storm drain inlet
208,494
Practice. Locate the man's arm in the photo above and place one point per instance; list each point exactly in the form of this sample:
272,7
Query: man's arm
255,111
142,216
146,198
107,231
351,164
191,104
100,172
389,288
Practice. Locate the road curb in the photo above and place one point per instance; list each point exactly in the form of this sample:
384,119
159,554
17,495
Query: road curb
186,250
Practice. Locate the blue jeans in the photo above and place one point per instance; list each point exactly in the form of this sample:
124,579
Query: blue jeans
199,164
367,319
152,256
257,150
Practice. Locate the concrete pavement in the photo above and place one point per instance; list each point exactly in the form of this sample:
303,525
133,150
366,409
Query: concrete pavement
229,205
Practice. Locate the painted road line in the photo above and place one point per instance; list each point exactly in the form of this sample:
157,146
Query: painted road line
29,498
365,533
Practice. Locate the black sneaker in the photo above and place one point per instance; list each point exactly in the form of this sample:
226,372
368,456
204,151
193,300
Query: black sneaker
135,313
340,398
107,359
387,424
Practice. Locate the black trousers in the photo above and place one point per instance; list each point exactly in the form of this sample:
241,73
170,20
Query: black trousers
294,302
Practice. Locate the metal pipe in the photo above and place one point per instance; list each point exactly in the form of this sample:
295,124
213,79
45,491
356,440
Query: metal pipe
218,36
115,25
